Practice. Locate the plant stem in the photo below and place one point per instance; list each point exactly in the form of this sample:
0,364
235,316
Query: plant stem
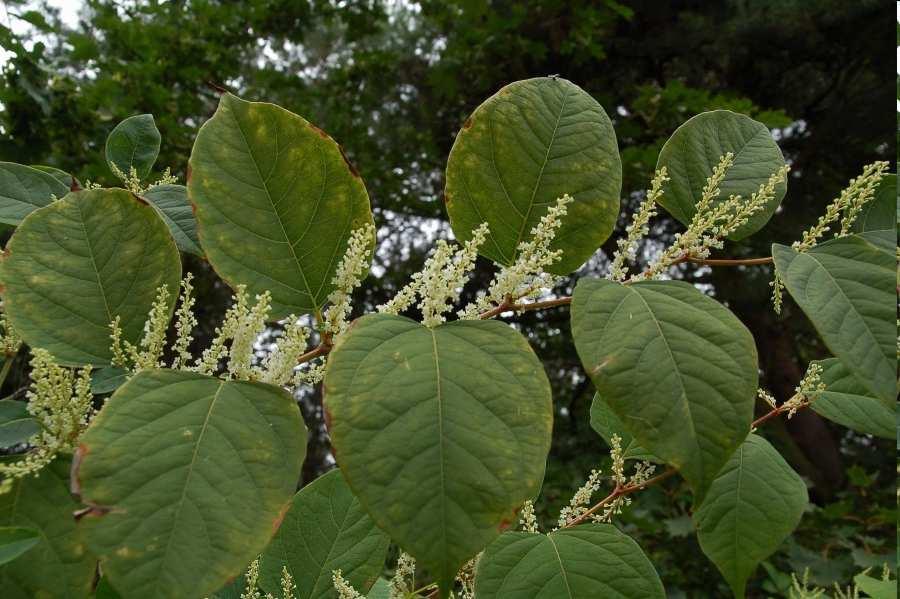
320,350
620,491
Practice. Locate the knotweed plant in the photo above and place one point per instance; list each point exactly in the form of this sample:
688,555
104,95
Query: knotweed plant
440,429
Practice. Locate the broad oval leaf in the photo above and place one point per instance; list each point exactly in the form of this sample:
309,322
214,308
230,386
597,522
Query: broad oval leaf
133,143
847,289
325,529
276,202
59,565
528,144
442,433
880,213
677,367
847,401
72,267
606,424
583,562
754,503
172,203
188,477
16,424
695,149
16,540
24,189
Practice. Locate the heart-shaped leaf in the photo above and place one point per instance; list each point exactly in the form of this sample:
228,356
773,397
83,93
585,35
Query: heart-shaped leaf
276,202
525,146
134,143
59,565
16,424
188,477
754,503
695,149
677,367
441,433
583,562
605,422
24,189
847,401
72,267
847,288
172,203
325,529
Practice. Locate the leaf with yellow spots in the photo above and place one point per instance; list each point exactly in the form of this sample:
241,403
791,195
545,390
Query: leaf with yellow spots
276,201
527,145
73,266
441,433
187,478
59,565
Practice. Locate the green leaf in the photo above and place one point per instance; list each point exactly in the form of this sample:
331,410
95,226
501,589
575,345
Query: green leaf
847,289
583,562
325,529
276,202
525,146
107,380
876,588
16,540
72,267
105,591
695,149
134,143
380,590
16,424
59,566
847,401
188,477
880,213
677,367
605,422
441,433
24,189
755,502
175,209
62,176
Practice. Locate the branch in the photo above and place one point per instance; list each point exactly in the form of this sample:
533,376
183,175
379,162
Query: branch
729,262
320,350
620,491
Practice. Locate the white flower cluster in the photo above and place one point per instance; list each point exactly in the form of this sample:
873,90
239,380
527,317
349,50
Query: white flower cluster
527,518
60,400
343,588
766,397
440,281
148,353
849,203
638,229
466,578
404,579
713,222
526,277
350,271
251,587
278,367
579,503
132,181
807,391
242,325
185,323
10,342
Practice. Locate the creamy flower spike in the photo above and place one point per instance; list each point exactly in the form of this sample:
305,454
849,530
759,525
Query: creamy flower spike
526,277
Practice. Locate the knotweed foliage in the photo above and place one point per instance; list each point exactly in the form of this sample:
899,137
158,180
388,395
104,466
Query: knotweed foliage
183,461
